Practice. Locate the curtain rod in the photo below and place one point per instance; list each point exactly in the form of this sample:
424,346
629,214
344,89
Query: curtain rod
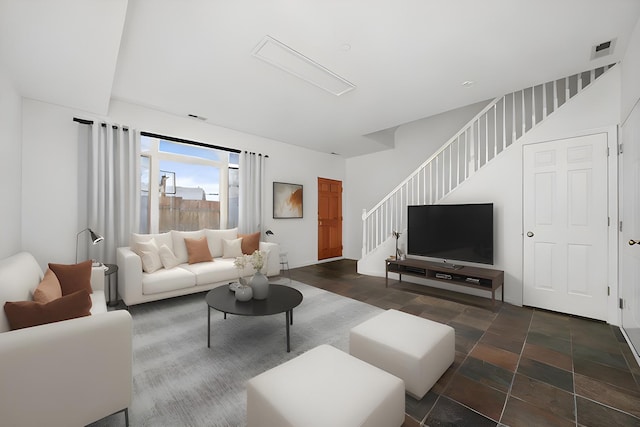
90,123
83,121
165,137
259,154
186,141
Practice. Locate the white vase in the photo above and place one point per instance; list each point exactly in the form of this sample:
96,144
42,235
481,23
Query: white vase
244,293
260,286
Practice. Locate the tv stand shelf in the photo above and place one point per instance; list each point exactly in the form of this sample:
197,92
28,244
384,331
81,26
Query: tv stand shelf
472,277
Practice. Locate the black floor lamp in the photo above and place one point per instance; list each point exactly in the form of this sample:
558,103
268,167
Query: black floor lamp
95,239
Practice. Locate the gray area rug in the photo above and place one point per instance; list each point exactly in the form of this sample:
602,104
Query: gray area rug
178,381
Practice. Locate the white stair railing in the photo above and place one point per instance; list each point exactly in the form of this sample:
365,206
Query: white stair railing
496,127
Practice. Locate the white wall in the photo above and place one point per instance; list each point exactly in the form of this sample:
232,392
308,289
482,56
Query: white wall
500,182
287,163
50,174
596,109
10,155
373,176
630,72
49,182
629,290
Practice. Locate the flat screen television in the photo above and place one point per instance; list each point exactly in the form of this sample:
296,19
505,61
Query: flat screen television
461,232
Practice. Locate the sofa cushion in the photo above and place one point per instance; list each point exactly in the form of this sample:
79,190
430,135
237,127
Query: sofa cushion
160,239
150,261
148,246
215,237
149,254
167,257
167,280
23,314
179,247
221,270
231,248
48,289
250,242
198,250
73,277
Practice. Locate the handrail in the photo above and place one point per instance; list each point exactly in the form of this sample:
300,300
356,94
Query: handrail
498,125
433,156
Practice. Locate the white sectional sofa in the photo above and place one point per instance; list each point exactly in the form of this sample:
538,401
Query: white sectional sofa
67,373
136,286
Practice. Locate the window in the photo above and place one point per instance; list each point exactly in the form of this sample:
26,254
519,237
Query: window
186,186
234,190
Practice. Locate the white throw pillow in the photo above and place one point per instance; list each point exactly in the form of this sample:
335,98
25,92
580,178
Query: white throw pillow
150,261
148,246
231,248
215,237
160,239
167,257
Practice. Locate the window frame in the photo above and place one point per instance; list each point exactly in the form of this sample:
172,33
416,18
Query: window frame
155,156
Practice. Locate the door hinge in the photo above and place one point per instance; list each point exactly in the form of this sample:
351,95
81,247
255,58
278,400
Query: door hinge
608,152
619,148
608,221
621,304
620,225
608,290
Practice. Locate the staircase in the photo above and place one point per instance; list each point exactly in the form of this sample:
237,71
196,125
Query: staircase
499,125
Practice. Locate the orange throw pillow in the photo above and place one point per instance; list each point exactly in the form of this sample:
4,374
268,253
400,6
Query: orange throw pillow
198,250
73,277
250,242
24,314
48,289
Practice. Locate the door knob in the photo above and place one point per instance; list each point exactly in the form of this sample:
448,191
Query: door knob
634,242
530,234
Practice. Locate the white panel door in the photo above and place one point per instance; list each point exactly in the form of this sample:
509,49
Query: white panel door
565,226
630,209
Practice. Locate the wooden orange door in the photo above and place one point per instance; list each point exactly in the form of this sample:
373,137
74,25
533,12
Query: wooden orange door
329,218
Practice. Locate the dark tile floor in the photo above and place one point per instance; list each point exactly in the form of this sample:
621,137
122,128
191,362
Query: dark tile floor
514,366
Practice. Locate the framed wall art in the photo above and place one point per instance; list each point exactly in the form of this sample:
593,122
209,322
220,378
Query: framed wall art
287,200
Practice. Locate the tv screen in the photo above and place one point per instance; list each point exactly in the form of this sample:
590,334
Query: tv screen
462,232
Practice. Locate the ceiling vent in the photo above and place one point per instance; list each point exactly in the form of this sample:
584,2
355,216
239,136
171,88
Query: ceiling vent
603,49
293,62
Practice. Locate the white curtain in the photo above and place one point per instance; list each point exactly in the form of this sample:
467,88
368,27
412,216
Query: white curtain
112,188
251,205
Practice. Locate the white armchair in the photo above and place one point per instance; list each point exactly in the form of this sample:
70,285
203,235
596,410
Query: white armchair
68,373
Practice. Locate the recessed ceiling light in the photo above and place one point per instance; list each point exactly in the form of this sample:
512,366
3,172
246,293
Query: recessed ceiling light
287,59
346,47
468,83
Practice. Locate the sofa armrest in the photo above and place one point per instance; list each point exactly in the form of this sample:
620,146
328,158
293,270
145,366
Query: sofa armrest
66,373
129,274
97,278
273,257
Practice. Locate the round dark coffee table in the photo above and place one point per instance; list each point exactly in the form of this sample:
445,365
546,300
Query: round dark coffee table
281,299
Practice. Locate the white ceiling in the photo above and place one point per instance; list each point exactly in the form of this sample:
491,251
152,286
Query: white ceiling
407,58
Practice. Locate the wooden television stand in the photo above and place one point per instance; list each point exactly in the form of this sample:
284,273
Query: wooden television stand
486,279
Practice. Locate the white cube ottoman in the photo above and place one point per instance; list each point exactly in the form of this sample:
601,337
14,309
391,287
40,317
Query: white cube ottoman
325,387
415,349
